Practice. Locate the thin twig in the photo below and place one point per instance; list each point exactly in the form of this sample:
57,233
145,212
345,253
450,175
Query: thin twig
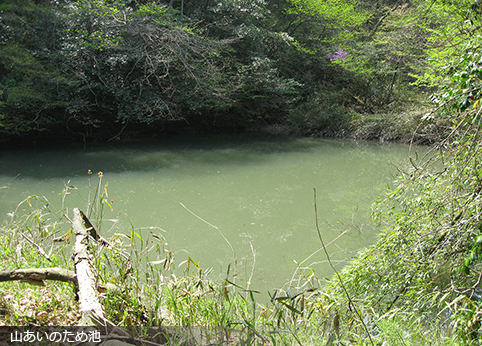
254,265
42,252
474,287
117,135
5,186
312,254
91,206
215,227
350,301
66,216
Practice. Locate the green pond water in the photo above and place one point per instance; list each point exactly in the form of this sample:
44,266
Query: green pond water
257,191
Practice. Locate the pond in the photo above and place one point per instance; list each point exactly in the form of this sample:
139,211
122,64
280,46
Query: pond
255,193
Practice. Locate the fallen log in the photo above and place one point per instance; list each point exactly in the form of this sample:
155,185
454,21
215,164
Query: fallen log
38,275
89,303
83,278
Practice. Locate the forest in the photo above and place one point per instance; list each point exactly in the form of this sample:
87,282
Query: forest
103,70
99,70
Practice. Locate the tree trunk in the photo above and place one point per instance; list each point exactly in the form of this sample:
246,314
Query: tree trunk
390,89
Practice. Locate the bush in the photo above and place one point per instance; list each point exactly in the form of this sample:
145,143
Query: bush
322,114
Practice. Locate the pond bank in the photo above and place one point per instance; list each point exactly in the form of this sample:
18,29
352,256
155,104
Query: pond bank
404,124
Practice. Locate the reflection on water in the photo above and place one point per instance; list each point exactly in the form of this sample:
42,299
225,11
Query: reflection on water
258,192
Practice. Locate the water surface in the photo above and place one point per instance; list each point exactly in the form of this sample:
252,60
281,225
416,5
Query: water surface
257,191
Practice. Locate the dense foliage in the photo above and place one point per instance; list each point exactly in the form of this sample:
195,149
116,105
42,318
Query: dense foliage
97,68
421,280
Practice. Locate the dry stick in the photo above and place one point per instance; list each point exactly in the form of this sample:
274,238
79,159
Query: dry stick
350,301
90,192
215,227
90,207
254,265
42,252
8,182
117,135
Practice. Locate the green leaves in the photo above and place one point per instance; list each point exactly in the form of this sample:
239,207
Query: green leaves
261,90
100,65
455,55
341,14
30,72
